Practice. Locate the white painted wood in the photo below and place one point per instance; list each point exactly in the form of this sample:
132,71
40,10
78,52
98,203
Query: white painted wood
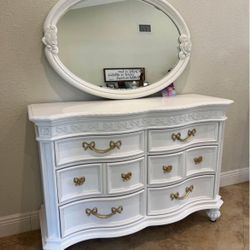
150,221
47,158
68,190
111,117
219,157
14,224
142,125
52,53
208,163
213,214
49,242
116,184
160,202
45,112
74,217
72,151
161,140
156,174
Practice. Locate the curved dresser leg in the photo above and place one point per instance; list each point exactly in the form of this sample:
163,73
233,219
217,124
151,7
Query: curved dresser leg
213,214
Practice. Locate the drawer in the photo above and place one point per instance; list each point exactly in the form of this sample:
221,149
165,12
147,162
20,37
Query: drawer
177,138
98,147
175,196
79,181
101,213
125,176
165,168
201,159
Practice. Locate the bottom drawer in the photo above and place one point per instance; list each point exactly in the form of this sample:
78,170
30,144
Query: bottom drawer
102,212
164,200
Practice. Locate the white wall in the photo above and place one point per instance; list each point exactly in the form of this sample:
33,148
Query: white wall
219,67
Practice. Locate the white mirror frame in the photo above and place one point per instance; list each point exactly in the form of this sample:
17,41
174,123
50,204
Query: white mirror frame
51,51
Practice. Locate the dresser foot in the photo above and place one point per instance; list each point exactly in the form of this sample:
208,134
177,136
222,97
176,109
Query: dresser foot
213,214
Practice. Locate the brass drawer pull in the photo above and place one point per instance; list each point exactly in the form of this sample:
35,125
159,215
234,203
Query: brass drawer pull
167,169
127,176
94,212
198,160
91,146
176,196
189,135
79,181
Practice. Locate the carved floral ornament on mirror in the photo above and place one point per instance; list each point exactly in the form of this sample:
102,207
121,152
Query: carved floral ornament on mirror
57,51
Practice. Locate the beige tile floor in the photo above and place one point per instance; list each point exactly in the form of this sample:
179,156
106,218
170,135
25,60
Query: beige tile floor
196,232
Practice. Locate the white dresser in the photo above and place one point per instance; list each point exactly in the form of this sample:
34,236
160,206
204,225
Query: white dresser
111,168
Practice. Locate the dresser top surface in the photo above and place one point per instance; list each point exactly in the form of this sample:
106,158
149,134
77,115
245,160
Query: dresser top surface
51,111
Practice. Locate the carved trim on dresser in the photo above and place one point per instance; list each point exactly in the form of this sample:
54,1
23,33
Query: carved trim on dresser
44,131
131,123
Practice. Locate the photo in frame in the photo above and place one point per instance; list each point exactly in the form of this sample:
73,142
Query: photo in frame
123,75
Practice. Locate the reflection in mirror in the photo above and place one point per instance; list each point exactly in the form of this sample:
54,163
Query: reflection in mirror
118,34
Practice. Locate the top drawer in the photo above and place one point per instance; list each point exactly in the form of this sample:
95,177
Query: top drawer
98,147
177,138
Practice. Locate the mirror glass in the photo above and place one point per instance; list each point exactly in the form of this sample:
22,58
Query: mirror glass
118,43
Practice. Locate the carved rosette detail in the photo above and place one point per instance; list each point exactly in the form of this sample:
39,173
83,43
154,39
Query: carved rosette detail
185,46
50,39
44,132
213,214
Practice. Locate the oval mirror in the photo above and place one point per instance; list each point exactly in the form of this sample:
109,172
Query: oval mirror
119,49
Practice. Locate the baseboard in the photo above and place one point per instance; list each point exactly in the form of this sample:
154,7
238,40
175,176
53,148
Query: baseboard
234,177
19,223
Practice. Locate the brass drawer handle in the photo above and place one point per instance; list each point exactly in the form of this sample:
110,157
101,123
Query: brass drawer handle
127,176
178,135
176,196
91,146
94,212
79,181
198,160
167,169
